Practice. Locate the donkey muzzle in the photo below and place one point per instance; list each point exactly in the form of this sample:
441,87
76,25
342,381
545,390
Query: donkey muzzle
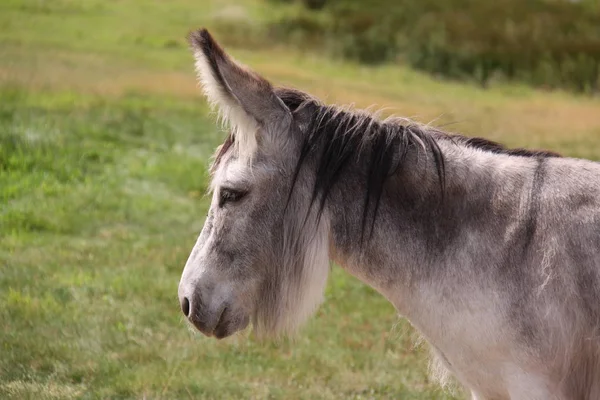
216,317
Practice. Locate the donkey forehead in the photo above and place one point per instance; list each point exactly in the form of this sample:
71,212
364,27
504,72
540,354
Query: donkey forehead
239,173
232,170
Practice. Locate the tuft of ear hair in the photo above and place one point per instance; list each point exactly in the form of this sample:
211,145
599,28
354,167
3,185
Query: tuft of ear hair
245,101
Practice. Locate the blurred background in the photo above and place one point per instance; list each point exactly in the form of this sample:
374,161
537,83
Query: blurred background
104,148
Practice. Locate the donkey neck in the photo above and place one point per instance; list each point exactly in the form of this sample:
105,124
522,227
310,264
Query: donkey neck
421,238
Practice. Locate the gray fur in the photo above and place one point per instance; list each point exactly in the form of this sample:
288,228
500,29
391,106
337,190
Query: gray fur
501,274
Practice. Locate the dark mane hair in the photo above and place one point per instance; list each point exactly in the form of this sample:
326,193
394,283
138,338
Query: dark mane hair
342,135
494,147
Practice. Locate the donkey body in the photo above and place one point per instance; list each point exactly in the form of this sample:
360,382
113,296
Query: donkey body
492,254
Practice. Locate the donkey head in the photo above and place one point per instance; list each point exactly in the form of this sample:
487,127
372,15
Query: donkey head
262,256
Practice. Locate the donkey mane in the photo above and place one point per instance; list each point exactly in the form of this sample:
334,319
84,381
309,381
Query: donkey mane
294,99
341,135
495,147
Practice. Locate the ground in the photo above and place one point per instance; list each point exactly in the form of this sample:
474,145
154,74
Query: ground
104,142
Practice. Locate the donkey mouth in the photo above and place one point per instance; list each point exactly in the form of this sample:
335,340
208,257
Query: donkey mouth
222,328
227,324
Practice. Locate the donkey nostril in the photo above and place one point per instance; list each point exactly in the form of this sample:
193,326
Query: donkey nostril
185,306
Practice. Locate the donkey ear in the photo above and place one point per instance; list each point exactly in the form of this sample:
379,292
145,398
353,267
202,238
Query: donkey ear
244,99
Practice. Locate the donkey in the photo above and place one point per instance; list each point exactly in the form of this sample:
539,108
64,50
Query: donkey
492,254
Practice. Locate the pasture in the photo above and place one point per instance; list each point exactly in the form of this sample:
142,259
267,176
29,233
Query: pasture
104,148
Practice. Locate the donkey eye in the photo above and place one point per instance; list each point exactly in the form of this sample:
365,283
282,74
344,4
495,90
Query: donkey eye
227,195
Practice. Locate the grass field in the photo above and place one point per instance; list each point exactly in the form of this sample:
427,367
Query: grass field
104,142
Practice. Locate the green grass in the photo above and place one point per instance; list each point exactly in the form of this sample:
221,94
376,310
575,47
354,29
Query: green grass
104,144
